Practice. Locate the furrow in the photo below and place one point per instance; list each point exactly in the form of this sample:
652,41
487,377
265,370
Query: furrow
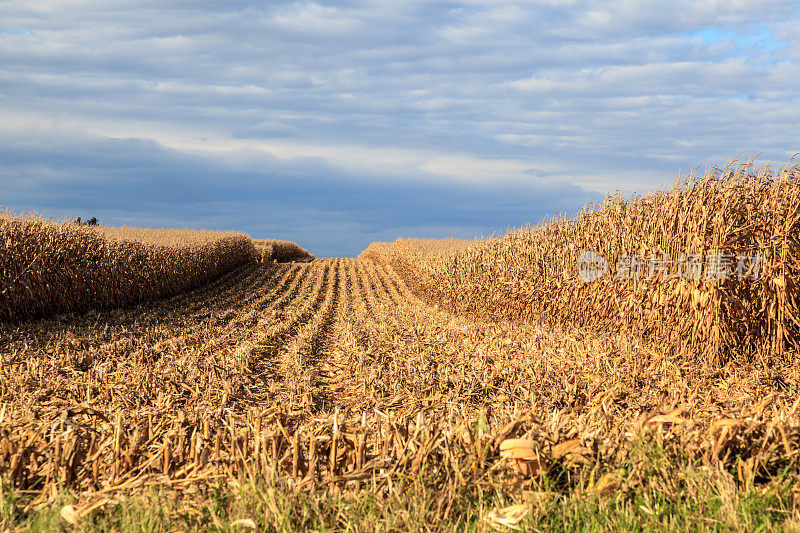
269,342
203,335
142,326
368,289
344,377
400,287
303,361
384,288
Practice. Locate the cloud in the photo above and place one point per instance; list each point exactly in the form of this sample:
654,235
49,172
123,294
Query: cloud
420,109
123,181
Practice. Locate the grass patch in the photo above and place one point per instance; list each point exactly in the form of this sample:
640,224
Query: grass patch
652,488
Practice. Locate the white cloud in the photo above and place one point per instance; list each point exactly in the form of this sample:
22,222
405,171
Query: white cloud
314,19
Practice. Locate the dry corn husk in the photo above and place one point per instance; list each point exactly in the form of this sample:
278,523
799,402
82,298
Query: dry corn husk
507,516
564,448
70,515
607,484
522,456
519,453
509,444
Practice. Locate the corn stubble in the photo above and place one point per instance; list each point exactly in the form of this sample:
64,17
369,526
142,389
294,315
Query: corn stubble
355,375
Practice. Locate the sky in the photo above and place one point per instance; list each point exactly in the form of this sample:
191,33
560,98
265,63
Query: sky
336,124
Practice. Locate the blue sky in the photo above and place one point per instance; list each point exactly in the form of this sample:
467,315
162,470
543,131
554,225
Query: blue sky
336,124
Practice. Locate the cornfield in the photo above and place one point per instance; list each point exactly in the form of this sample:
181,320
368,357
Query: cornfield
48,267
280,251
733,234
356,376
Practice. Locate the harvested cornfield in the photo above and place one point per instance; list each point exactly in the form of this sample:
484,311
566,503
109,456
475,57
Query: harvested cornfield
48,266
346,394
281,251
707,270
333,378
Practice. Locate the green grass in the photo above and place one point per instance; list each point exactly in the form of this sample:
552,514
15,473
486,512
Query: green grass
654,489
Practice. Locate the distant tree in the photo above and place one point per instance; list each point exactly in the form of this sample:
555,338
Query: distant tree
78,221
92,221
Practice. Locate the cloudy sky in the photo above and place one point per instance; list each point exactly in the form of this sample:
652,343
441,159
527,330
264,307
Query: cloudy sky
339,123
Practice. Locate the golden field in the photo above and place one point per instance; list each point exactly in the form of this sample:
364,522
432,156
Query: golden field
708,223
280,251
433,385
49,266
